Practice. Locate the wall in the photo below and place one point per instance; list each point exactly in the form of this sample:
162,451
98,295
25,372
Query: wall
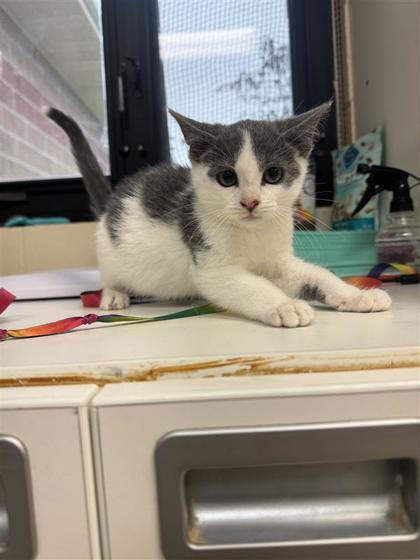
386,56
30,145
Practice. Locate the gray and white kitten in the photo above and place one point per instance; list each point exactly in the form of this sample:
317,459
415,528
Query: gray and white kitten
222,230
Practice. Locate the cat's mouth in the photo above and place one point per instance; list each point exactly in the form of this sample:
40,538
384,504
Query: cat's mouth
250,217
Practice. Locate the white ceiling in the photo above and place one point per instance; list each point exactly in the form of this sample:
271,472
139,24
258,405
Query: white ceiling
67,33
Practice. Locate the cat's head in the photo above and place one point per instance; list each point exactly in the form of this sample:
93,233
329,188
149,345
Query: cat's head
250,171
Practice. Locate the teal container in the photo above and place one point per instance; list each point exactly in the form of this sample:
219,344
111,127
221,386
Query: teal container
346,253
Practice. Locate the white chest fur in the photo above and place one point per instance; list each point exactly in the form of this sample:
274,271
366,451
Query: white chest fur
258,250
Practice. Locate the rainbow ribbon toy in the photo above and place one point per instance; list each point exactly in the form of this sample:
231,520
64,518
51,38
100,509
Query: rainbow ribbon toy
71,323
405,274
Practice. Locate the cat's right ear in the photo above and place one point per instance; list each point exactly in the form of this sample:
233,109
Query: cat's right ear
199,136
302,130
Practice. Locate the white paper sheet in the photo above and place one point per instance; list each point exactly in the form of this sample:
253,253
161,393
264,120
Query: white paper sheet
51,284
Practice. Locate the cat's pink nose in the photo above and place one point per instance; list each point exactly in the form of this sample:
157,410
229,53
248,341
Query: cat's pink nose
250,204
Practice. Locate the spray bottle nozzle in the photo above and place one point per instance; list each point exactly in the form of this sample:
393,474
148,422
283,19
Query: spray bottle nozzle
381,178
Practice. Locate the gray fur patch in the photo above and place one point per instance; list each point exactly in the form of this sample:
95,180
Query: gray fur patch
114,215
162,191
165,193
312,293
114,211
224,151
272,148
190,226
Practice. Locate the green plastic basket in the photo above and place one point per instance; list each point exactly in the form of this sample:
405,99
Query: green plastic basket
346,253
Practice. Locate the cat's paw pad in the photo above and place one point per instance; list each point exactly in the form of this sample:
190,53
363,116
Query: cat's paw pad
111,299
291,313
362,301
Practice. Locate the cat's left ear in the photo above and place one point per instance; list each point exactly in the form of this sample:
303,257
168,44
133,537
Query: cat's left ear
302,130
199,136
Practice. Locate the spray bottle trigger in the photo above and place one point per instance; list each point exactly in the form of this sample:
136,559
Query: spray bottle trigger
370,191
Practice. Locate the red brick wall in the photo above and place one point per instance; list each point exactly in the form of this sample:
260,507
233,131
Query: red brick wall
30,145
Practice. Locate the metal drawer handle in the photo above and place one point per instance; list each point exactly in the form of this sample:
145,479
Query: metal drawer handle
17,533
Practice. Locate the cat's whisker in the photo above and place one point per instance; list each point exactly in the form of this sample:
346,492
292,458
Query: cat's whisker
310,239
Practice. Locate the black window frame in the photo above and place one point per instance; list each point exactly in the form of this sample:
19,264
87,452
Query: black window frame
312,61
138,136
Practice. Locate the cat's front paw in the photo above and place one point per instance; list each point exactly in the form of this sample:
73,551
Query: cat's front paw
361,301
291,313
112,299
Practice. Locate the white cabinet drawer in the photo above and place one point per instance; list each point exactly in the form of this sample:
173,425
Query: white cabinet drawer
130,422
52,424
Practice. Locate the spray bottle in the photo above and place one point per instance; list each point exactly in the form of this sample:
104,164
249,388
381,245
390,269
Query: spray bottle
398,240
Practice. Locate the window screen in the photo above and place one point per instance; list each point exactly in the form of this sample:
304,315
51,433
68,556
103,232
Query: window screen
224,61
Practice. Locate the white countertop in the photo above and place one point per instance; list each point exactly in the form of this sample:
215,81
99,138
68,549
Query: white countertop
218,344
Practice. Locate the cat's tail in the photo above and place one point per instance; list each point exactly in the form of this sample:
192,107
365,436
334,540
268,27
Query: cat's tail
97,185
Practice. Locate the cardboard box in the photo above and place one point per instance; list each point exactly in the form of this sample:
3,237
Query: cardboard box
47,247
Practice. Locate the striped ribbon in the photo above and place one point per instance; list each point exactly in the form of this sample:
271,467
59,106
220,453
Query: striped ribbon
71,323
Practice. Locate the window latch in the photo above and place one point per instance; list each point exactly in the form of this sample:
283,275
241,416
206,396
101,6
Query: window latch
122,79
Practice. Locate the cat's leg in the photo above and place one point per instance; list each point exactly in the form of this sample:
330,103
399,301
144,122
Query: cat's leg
114,299
110,264
237,290
311,282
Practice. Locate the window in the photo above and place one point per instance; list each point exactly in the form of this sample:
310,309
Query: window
115,65
51,55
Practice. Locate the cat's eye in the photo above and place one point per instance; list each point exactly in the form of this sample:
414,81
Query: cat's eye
227,178
273,175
